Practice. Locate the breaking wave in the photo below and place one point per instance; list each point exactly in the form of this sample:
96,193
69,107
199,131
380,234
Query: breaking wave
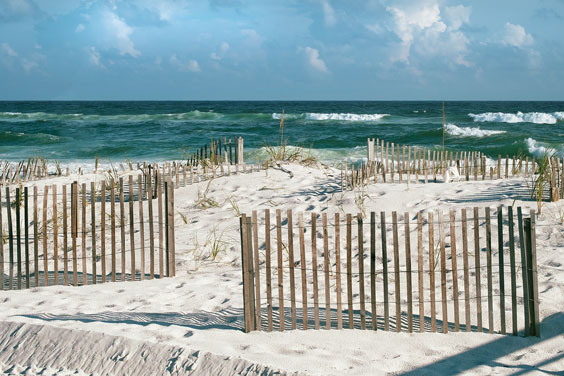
519,117
538,149
455,130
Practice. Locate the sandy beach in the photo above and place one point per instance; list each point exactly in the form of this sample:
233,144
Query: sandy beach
193,323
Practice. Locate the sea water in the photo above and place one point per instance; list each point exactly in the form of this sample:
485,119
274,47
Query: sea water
78,132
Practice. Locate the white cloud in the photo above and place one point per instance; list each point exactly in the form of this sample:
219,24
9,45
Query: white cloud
28,65
121,32
411,21
79,28
94,57
188,66
223,48
252,36
420,28
516,36
328,13
8,50
312,55
457,16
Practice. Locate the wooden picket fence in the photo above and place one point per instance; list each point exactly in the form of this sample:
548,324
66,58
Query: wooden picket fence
81,228
401,271
393,163
24,171
219,152
224,155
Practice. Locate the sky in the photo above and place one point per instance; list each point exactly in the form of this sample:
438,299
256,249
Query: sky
281,50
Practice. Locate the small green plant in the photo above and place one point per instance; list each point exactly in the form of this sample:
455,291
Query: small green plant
359,199
234,206
205,202
541,181
183,216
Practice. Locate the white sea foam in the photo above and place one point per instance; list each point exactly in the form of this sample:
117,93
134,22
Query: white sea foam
454,130
345,117
537,148
278,116
519,117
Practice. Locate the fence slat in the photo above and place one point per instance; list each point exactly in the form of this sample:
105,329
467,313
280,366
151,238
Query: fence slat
531,238
338,271
420,271
45,253
280,270
103,230
361,272
17,201
432,272
140,198
122,227
113,227
74,232
26,244
251,280
55,238
477,269
466,272
314,267
268,268
93,226
442,236
257,269
326,269
408,273
159,187
10,239
350,311
512,267
489,268
291,264
373,269
84,259
132,226
454,271
245,273
501,271
385,271
524,273
303,264
397,291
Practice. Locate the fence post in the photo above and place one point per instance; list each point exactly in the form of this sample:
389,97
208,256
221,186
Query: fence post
532,304
167,258
248,289
10,238
240,151
173,234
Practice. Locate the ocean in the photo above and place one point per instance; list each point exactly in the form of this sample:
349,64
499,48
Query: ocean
77,132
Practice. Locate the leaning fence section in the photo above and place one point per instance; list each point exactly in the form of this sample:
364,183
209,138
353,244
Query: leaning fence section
83,234
472,270
220,156
219,151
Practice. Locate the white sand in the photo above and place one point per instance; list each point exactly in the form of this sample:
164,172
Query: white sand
198,314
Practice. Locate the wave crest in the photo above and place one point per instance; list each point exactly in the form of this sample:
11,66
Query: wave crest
454,130
519,117
344,117
536,148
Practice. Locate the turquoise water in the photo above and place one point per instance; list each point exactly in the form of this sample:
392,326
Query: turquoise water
152,131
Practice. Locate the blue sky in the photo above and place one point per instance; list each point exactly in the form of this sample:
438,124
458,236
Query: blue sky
309,49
